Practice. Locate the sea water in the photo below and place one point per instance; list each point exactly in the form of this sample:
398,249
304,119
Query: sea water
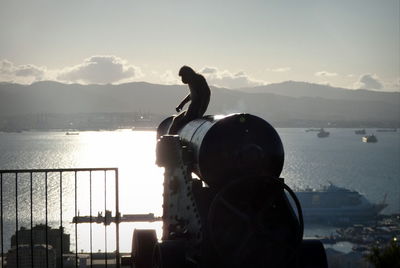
343,159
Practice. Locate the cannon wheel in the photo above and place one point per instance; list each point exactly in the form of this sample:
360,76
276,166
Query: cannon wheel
169,254
143,242
245,226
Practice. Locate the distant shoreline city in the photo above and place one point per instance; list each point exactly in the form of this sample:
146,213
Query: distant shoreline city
56,106
145,121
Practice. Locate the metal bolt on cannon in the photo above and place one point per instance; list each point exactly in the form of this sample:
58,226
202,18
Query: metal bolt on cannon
224,203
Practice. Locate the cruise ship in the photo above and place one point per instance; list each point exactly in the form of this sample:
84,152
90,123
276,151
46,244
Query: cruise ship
337,205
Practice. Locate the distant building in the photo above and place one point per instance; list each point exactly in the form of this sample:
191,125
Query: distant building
25,259
54,238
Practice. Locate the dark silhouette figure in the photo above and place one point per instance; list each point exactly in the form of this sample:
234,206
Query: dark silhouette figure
199,98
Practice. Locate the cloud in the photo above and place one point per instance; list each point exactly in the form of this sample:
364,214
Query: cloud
6,66
280,69
170,78
21,73
227,79
94,70
392,85
101,69
396,84
209,70
368,81
325,73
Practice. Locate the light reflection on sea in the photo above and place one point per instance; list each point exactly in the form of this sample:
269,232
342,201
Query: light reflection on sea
132,152
372,169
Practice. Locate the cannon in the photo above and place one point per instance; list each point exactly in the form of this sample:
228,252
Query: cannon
224,202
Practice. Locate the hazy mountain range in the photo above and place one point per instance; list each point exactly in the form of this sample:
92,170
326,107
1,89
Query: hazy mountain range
292,102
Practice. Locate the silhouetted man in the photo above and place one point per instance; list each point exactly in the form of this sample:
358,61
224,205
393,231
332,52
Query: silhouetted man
199,98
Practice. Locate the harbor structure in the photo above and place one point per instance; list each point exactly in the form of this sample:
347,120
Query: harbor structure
24,256
60,243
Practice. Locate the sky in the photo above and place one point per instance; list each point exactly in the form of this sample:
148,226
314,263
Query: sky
343,43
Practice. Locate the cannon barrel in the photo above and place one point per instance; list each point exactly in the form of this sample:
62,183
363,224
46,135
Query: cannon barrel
225,148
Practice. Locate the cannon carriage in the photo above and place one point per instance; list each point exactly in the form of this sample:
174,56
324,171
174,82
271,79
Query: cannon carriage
224,203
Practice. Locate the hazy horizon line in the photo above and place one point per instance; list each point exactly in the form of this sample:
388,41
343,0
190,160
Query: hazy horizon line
218,87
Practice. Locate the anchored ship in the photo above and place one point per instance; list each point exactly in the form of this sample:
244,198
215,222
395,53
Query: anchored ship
322,133
337,205
369,138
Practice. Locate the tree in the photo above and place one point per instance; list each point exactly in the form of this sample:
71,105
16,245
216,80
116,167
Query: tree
386,257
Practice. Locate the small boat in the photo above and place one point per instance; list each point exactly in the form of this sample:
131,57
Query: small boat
312,130
72,133
322,133
369,138
360,132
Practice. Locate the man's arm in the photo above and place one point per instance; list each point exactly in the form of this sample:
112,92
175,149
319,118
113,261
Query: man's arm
183,102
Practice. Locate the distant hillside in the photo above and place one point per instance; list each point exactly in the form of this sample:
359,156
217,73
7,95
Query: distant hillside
303,89
292,102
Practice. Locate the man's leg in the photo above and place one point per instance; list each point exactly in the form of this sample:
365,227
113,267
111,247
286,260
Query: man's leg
178,122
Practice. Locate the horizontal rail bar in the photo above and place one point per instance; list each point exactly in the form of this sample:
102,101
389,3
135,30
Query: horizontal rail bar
56,170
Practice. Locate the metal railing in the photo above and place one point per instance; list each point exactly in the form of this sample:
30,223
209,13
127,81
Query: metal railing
21,202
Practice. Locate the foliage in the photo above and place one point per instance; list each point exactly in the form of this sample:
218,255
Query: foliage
386,257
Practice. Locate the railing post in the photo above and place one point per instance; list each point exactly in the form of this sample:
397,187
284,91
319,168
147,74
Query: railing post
47,221
105,216
61,223
16,219
31,223
76,224
1,220
91,219
117,214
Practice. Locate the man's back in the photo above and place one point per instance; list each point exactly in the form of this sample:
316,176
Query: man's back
200,97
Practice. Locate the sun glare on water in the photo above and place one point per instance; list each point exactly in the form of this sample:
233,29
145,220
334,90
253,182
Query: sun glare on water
140,180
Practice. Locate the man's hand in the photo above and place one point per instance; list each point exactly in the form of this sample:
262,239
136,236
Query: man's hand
178,108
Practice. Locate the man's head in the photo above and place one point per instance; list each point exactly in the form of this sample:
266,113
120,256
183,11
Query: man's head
187,74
